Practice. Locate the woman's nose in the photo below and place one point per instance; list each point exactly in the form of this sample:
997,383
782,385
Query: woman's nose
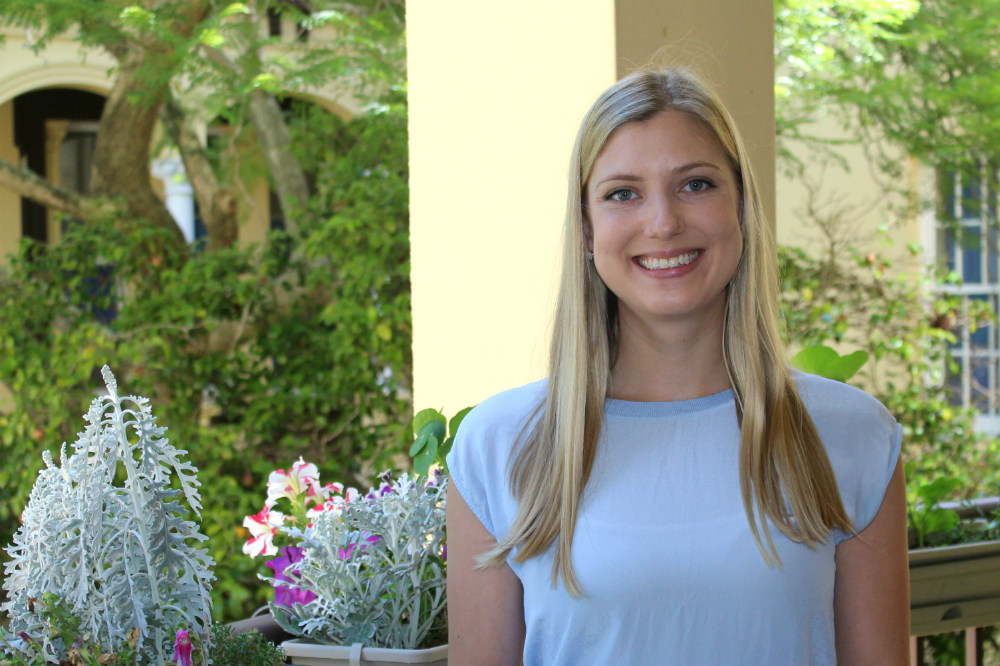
664,218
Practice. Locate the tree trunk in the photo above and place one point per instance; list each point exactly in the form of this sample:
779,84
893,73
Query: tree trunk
216,203
286,172
122,152
265,115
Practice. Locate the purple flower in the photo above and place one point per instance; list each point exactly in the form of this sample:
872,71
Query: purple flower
444,552
345,554
182,648
288,595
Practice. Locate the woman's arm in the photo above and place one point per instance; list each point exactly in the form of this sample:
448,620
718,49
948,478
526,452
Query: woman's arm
485,606
871,594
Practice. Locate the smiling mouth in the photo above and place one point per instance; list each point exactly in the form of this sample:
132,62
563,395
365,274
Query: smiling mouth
658,263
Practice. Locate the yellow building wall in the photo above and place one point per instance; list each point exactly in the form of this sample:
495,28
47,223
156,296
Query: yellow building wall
852,192
496,93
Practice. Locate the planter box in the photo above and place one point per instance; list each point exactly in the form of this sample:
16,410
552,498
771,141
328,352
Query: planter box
305,653
954,587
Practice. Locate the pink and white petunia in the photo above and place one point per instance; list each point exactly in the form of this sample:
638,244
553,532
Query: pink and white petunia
263,526
332,500
334,504
303,477
331,489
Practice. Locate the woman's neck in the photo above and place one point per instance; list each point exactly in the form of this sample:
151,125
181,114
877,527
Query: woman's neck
668,362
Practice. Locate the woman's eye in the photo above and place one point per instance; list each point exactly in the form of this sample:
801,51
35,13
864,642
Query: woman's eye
697,185
620,195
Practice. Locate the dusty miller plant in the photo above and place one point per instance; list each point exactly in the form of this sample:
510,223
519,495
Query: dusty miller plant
376,565
104,531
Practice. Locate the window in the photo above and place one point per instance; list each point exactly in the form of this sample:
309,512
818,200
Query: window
966,240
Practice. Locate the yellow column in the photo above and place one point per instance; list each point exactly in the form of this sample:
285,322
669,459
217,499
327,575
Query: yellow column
496,93
730,43
10,202
55,132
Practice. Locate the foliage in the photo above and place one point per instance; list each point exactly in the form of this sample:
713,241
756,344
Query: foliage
300,345
249,648
921,74
924,515
433,438
817,46
853,301
65,627
826,362
255,354
365,569
105,532
934,525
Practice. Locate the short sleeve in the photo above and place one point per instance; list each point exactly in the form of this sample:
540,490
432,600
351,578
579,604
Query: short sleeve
862,441
478,461
468,471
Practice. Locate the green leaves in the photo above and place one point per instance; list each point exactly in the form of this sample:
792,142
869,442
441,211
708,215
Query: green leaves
825,362
925,517
432,440
922,75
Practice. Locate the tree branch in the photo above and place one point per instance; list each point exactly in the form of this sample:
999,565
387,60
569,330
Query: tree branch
32,186
217,203
265,115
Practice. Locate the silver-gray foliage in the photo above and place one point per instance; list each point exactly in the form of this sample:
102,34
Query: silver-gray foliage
105,532
376,567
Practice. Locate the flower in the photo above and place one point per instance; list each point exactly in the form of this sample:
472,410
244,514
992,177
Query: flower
288,595
363,543
182,648
354,561
302,477
263,526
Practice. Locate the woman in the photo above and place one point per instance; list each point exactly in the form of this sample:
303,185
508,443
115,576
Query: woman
672,493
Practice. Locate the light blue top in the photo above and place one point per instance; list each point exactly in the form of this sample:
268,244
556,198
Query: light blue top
662,549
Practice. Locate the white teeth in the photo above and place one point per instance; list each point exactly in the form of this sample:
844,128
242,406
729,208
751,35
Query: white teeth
655,263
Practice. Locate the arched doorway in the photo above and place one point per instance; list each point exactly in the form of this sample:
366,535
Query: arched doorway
54,132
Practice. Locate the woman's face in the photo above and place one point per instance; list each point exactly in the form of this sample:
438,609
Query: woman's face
663,223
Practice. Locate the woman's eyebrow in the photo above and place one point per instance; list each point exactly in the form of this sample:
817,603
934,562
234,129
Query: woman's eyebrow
619,176
629,177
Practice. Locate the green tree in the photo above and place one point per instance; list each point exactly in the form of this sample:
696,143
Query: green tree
253,355
920,75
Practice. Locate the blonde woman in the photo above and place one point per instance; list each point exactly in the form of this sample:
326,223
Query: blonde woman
673,493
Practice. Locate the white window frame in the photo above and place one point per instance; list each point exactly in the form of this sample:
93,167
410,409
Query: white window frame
985,398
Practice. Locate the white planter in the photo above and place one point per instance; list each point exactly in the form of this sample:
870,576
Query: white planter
305,653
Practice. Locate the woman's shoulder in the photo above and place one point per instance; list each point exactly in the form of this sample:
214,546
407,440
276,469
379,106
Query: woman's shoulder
861,438
479,458
845,405
507,411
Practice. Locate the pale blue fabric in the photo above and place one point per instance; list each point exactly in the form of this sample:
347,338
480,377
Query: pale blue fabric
662,549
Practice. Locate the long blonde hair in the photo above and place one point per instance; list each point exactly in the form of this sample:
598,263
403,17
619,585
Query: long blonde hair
781,455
